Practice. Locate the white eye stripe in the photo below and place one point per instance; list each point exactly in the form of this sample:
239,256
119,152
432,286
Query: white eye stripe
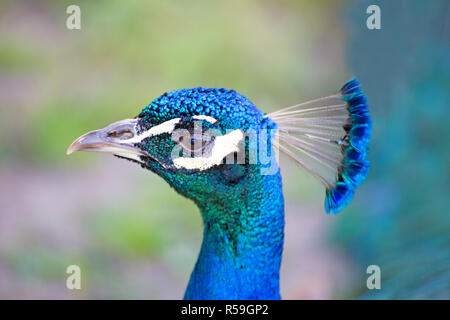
129,155
204,117
165,127
223,146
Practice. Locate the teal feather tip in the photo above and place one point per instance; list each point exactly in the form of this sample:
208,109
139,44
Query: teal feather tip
354,167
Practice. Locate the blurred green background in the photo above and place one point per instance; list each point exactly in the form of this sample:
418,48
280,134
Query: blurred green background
133,236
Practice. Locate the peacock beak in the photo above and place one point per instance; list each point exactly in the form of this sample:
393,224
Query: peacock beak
114,139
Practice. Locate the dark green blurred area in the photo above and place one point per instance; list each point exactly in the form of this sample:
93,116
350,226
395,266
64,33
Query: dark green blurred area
132,236
405,69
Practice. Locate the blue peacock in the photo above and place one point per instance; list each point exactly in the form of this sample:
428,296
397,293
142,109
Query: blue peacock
198,141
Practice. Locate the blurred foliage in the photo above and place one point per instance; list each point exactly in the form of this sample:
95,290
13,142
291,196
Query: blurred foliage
55,84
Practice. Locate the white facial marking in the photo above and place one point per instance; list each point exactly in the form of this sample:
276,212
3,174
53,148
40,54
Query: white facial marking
165,127
223,146
207,118
129,155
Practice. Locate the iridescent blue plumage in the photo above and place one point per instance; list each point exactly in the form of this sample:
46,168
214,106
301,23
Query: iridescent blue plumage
339,197
230,108
354,167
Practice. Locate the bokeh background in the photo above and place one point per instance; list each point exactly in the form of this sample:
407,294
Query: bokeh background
133,236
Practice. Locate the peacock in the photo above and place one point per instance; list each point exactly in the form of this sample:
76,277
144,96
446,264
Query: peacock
213,146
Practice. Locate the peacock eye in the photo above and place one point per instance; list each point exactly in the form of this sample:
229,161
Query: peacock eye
194,144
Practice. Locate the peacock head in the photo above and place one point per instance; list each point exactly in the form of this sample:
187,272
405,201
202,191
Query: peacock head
206,142
195,139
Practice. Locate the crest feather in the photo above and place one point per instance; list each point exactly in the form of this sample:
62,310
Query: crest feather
329,137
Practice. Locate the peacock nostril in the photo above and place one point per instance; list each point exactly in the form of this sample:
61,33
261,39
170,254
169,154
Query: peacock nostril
122,135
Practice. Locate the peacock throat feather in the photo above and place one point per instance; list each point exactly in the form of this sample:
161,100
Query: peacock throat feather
242,244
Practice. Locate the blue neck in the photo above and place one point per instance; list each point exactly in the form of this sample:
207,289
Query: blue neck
242,244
